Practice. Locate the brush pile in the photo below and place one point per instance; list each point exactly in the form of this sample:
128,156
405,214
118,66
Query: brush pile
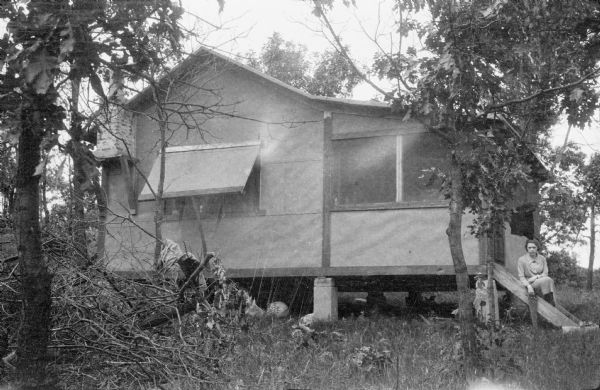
109,331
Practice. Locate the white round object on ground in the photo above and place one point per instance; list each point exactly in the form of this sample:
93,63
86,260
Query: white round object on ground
278,310
253,310
307,320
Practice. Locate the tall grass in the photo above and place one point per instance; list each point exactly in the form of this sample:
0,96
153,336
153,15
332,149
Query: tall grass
582,303
399,353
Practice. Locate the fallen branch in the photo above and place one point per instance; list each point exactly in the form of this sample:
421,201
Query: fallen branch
194,274
163,317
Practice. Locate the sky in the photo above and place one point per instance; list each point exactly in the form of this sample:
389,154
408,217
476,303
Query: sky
247,24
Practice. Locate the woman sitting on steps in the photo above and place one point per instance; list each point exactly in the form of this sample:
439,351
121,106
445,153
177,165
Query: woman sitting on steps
533,272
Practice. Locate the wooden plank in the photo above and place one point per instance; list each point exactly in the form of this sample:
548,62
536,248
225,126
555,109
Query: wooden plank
368,134
391,206
532,303
395,238
565,312
349,271
327,188
272,241
399,172
369,125
292,187
546,310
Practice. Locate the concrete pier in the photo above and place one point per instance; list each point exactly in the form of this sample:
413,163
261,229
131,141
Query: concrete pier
325,300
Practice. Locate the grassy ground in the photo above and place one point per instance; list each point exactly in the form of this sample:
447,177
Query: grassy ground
400,350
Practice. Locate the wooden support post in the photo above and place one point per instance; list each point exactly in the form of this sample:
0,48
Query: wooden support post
196,205
532,302
327,189
486,301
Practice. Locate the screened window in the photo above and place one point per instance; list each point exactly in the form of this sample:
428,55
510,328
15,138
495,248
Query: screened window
387,169
423,156
365,170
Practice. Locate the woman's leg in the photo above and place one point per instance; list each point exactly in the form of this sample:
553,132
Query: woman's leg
549,298
544,287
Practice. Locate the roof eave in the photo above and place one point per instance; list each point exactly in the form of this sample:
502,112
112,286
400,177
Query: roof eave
370,104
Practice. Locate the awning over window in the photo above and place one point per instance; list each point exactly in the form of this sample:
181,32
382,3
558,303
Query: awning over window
201,170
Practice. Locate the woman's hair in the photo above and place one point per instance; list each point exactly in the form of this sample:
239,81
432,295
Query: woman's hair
534,241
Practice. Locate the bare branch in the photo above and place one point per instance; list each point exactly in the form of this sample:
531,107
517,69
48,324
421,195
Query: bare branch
540,93
342,50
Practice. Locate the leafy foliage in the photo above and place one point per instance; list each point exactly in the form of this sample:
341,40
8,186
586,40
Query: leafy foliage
591,172
563,267
47,45
284,60
326,74
7,170
564,205
94,39
572,200
490,80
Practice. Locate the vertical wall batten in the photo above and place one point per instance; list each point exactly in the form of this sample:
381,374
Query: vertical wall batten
399,169
327,188
126,171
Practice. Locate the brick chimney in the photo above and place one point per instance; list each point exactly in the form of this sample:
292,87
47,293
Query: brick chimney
117,128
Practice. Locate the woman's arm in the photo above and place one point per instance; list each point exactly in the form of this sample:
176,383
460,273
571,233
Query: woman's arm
524,281
545,270
521,273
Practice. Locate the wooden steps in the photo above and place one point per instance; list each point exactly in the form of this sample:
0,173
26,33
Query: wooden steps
557,316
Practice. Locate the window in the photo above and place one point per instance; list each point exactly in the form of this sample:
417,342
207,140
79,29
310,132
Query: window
364,170
112,166
522,221
421,153
387,169
213,179
231,204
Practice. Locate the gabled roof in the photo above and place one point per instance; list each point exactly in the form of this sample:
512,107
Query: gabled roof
205,51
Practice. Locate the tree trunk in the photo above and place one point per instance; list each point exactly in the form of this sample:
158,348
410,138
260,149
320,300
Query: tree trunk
79,176
590,271
35,279
101,201
44,196
79,225
465,305
159,205
491,302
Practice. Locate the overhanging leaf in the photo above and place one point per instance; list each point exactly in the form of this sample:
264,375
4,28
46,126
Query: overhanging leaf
39,169
576,94
38,71
97,85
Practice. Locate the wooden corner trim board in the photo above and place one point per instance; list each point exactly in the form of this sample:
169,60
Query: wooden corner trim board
327,189
129,179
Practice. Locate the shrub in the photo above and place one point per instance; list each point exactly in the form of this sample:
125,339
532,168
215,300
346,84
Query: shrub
563,268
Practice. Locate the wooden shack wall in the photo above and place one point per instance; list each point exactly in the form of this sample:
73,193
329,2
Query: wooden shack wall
286,232
411,235
406,237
